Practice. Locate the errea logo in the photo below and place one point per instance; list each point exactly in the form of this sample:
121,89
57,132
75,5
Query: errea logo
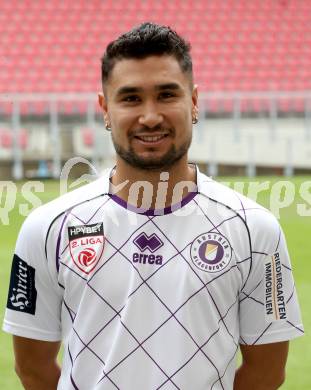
147,243
152,242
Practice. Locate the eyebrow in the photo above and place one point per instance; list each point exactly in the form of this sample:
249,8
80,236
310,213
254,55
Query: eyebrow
161,87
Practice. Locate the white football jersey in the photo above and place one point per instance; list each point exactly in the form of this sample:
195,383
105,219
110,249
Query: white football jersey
156,299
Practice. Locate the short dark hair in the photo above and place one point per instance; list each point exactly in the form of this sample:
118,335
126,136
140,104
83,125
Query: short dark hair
146,40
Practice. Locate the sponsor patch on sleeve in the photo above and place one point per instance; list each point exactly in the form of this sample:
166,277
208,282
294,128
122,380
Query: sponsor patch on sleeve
22,291
275,303
86,245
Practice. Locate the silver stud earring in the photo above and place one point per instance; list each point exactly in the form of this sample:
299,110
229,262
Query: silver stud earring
108,127
195,120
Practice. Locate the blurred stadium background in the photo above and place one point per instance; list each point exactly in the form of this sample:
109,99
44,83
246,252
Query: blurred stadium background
252,62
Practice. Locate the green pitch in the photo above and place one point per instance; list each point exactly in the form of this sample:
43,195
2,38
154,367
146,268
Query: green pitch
297,229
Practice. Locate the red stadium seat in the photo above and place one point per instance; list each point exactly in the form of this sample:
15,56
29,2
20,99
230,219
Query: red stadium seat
56,46
88,137
6,138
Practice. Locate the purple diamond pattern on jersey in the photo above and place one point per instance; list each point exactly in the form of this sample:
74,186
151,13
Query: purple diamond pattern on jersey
170,369
172,319
168,372
143,242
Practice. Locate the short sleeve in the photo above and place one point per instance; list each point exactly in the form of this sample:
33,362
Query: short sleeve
34,300
269,309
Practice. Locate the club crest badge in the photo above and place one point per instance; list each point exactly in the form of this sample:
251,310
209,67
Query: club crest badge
211,252
86,245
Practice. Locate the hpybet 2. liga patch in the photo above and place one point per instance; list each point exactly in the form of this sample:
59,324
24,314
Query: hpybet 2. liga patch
86,245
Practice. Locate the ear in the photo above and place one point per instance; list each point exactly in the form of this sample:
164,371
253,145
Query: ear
195,103
102,102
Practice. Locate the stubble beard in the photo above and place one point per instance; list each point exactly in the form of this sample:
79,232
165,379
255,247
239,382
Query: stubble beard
169,159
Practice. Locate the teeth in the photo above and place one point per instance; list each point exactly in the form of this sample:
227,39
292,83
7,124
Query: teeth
152,139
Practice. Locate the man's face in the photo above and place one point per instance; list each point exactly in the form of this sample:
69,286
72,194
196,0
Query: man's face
149,104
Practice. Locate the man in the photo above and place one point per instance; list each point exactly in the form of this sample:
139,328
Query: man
153,276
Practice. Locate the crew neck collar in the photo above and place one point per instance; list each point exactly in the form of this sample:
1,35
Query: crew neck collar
156,212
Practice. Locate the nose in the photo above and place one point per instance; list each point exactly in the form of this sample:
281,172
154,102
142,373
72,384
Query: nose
150,116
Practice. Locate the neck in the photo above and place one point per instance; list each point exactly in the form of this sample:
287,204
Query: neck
153,189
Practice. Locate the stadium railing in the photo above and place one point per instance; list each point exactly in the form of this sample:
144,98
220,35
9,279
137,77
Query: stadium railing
249,129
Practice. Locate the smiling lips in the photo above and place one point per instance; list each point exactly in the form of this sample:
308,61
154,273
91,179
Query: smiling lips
151,138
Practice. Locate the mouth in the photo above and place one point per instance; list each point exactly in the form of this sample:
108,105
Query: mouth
151,139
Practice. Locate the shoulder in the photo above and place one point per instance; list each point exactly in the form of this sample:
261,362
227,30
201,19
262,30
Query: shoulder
37,224
260,223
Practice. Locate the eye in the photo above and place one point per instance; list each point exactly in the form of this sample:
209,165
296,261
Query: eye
131,98
166,95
